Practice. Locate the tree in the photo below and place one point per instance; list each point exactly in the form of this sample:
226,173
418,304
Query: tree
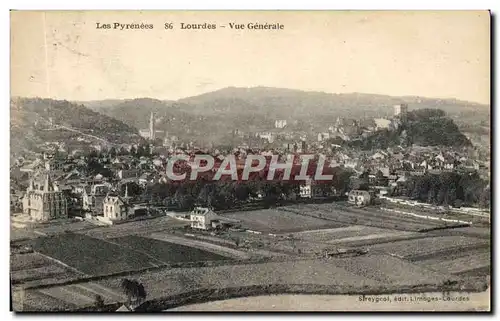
142,294
485,197
134,291
112,152
99,302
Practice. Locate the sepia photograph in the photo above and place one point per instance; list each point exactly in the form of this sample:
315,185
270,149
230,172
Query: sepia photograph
259,161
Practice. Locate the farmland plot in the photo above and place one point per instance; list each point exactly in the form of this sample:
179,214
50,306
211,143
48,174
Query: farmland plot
369,216
388,270
34,300
28,261
165,251
459,263
428,246
174,281
92,256
277,221
42,272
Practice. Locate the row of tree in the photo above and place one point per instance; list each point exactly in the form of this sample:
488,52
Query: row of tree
449,188
225,194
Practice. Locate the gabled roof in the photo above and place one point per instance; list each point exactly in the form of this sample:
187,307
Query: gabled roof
112,198
125,308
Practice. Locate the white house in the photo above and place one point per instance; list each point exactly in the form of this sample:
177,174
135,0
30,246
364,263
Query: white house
379,155
306,190
114,208
201,218
382,123
358,197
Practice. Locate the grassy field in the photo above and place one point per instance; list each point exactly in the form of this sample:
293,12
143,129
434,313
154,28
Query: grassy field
165,251
359,272
61,228
28,261
350,233
134,228
33,268
427,246
90,255
369,216
276,221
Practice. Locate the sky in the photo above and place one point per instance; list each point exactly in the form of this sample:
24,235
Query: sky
62,55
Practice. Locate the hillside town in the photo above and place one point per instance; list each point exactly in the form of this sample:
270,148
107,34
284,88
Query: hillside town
122,198
114,184
341,162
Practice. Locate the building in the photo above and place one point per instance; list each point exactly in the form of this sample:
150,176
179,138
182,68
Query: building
152,132
36,165
114,208
401,111
323,136
382,123
128,173
93,197
358,197
43,201
201,218
306,190
280,123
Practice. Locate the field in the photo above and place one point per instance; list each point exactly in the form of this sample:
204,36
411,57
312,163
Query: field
64,227
348,215
166,252
34,268
68,296
351,234
431,246
460,263
134,228
403,251
277,221
98,257
349,272
92,256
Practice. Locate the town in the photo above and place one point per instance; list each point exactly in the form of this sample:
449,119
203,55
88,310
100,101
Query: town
379,203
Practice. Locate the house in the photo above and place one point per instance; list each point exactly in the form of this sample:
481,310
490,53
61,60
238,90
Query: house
306,190
379,155
382,123
93,197
128,173
114,208
201,218
32,167
128,307
43,201
358,197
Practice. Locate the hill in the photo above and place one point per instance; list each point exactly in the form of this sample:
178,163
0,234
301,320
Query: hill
35,121
279,102
135,112
212,116
424,127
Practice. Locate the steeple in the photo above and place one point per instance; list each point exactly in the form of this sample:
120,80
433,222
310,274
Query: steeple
152,130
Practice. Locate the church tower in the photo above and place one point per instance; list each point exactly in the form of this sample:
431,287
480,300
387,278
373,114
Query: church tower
152,130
